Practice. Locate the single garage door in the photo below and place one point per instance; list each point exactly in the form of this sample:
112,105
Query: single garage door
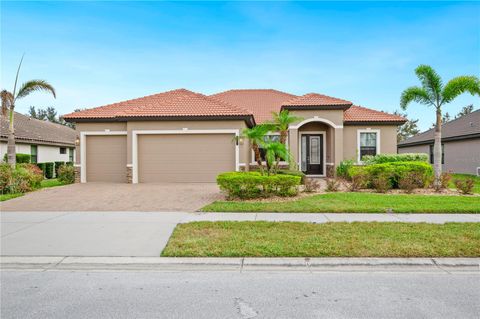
107,158
184,157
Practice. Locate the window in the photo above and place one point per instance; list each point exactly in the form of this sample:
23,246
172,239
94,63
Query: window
368,144
63,150
70,154
267,138
443,154
33,153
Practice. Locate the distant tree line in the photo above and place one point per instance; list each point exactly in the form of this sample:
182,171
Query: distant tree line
49,114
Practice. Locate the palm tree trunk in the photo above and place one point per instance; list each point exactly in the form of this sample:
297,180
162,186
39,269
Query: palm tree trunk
283,140
258,158
11,156
437,148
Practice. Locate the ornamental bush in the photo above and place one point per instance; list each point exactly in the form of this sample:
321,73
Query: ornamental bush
23,178
66,174
43,167
253,184
57,167
389,158
344,167
19,158
49,167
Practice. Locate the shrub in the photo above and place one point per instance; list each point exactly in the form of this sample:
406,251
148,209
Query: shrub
311,184
381,183
390,158
292,172
358,181
254,185
409,181
19,158
333,185
57,167
43,167
49,167
66,174
465,186
344,167
69,163
23,178
445,179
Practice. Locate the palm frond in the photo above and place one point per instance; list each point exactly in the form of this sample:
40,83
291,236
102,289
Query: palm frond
459,85
431,81
35,85
414,94
283,119
7,101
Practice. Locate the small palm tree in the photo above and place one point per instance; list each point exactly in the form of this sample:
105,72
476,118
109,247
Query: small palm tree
434,93
256,136
8,100
281,122
274,152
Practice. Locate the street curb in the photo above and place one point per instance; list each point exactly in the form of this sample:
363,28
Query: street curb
235,264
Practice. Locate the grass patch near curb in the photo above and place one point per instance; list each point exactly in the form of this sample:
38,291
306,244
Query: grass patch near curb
356,203
46,183
4,197
294,239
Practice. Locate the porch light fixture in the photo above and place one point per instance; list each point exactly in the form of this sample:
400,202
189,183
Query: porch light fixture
77,141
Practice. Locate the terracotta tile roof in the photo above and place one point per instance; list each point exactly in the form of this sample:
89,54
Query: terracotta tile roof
176,103
260,102
35,131
315,99
465,126
362,114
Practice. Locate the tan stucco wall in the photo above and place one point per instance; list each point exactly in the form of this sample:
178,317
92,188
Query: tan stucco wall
388,139
335,116
414,149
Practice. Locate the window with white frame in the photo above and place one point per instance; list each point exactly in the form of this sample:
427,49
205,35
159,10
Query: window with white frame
368,144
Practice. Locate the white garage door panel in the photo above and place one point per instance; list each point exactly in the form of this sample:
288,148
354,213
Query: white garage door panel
184,157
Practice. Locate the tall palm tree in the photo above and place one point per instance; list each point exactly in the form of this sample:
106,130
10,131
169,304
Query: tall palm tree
8,100
281,122
256,136
434,93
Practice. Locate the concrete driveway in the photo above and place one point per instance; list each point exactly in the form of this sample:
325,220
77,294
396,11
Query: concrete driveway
168,197
86,233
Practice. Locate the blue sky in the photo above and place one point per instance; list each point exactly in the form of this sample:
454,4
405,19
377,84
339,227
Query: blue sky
96,53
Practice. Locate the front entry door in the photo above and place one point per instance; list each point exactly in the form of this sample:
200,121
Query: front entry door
312,154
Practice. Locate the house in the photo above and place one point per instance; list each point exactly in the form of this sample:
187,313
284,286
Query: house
183,136
460,144
44,141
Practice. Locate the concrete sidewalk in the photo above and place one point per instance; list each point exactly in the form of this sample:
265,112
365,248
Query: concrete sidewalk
145,233
240,264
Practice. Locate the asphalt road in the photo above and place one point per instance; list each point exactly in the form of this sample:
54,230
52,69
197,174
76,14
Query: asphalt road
116,294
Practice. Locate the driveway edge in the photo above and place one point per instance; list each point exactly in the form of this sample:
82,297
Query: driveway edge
238,264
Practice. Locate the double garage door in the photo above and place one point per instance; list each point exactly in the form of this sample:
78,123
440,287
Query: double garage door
162,158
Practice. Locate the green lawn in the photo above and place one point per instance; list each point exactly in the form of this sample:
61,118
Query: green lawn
46,183
356,203
476,188
288,239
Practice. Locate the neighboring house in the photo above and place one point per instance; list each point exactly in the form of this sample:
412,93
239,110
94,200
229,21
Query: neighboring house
182,136
44,141
460,144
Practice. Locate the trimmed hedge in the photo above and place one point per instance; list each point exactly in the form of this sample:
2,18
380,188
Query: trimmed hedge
57,167
254,185
293,173
389,158
394,171
20,158
49,167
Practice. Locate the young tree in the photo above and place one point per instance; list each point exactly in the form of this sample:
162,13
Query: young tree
256,136
434,93
465,110
274,152
281,122
409,129
9,99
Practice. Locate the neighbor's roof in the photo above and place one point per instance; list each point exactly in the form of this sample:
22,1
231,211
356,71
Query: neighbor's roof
360,114
467,126
257,104
175,103
35,131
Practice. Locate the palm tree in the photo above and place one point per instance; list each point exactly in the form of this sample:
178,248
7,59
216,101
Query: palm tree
8,100
434,93
274,151
256,137
281,122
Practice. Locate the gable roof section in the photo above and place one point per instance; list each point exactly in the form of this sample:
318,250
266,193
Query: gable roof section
35,131
359,114
316,101
170,104
467,126
260,102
